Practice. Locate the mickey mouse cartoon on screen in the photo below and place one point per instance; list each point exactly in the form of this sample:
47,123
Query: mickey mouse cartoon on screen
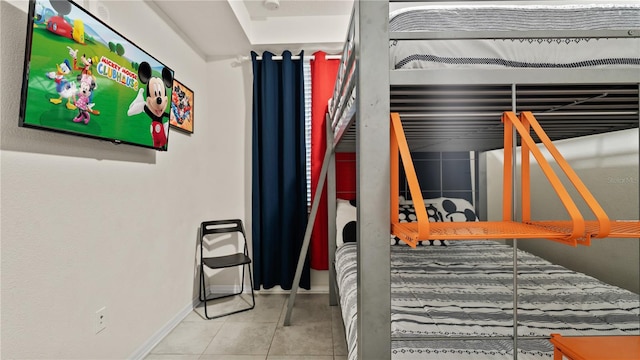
155,103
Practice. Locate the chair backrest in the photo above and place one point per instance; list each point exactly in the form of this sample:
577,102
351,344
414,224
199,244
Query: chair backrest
221,227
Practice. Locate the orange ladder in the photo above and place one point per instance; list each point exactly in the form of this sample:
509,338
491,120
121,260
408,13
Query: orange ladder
572,232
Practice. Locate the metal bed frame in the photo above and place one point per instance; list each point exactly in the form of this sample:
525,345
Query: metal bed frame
365,66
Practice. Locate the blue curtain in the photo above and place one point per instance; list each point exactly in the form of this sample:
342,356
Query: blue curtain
279,210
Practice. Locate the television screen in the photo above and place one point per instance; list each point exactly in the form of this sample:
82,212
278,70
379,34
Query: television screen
81,77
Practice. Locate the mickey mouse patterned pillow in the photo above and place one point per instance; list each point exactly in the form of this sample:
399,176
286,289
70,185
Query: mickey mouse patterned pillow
346,215
438,210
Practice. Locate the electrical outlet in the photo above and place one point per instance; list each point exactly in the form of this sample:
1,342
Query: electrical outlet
101,319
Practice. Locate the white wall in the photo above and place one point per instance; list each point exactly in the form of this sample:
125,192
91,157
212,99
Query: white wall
608,165
87,224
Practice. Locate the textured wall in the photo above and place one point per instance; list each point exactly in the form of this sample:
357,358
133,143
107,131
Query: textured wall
87,224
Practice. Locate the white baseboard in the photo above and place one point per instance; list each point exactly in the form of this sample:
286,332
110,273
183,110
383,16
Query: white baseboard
316,289
155,339
228,289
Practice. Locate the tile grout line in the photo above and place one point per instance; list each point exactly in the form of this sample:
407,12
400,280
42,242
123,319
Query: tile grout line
214,336
333,345
284,304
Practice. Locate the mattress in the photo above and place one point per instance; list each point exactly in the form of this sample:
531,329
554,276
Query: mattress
515,53
465,289
559,53
491,17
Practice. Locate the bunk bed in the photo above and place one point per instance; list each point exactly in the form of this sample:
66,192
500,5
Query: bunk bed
385,68
455,302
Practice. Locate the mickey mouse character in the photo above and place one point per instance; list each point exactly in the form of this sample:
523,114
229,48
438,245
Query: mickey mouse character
155,103
180,105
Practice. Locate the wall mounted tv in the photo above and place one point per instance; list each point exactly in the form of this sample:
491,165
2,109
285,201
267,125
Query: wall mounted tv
83,78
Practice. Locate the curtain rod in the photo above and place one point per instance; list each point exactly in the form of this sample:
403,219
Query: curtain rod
293,57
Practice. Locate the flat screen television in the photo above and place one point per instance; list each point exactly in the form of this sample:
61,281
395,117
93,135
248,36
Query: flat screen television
81,77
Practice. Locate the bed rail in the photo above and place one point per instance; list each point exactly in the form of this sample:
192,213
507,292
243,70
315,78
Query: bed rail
512,34
341,106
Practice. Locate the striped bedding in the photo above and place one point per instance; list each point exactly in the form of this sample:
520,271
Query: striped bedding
567,53
518,53
465,289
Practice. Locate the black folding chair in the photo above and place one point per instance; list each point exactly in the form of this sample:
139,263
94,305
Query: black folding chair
224,261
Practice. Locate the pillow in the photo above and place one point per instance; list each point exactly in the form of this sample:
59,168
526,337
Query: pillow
457,210
346,215
439,210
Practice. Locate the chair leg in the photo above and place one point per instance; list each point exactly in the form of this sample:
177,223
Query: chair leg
205,299
242,282
202,291
253,298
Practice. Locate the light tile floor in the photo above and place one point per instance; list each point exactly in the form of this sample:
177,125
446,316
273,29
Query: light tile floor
316,332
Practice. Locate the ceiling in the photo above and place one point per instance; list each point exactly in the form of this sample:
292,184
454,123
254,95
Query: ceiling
232,28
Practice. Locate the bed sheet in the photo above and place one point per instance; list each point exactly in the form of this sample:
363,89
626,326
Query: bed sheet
499,17
515,53
465,289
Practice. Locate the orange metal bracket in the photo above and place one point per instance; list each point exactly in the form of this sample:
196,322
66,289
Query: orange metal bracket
399,144
573,232
411,233
604,225
507,172
577,221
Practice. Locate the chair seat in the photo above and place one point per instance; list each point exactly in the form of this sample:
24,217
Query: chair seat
240,259
218,262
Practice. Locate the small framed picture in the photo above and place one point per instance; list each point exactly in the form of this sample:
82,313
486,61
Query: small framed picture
181,117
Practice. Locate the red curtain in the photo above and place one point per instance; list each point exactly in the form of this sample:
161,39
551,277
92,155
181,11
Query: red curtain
346,176
323,77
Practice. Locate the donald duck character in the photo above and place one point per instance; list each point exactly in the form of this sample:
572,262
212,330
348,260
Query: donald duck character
64,88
